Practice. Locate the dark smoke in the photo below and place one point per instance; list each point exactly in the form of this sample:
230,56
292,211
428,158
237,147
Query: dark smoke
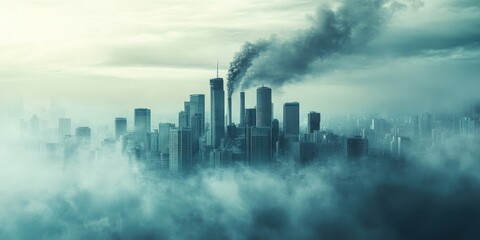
333,31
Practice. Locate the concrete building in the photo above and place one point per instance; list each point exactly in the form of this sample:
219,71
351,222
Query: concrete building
357,147
264,107
291,118
217,109
180,150
120,127
142,120
314,120
64,127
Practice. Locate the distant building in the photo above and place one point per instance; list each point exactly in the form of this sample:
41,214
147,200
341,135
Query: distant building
183,119
180,150
357,147
314,119
83,135
291,118
221,158
259,145
64,127
120,127
217,109
242,109
197,111
264,107
164,137
250,117
142,120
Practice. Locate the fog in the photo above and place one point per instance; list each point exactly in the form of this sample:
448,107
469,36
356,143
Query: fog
434,195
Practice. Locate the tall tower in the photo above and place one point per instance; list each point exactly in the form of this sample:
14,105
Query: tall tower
217,109
314,119
291,118
242,109
180,150
264,107
64,127
142,120
250,117
120,127
197,110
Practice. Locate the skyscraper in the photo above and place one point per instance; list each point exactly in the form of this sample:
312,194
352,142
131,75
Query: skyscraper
259,145
264,107
314,119
180,150
357,147
291,118
250,117
164,136
142,120
64,127
217,109
120,127
83,135
197,110
183,119
242,109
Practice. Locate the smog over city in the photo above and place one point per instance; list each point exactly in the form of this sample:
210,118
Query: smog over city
286,119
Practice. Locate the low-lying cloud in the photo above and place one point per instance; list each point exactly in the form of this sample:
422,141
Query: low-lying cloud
432,196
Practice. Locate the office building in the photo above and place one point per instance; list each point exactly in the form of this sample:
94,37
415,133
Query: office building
83,135
259,145
120,127
291,118
250,117
64,127
314,119
142,120
357,147
180,150
164,137
264,107
217,109
197,111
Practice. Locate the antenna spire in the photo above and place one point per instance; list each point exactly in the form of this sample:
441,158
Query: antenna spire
217,69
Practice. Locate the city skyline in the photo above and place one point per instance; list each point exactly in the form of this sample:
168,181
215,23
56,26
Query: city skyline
254,119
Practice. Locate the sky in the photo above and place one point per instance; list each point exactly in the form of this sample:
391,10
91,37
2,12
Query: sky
113,56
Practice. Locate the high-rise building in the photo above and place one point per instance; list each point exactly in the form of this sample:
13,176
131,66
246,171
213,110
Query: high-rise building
314,119
291,118
275,134
64,127
357,147
83,135
259,145
264,107
35,125
120,127
142,120
197,110
250,117
217,109
180,150
164,136
242,109
183,119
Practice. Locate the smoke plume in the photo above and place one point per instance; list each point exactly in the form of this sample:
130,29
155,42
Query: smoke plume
336,29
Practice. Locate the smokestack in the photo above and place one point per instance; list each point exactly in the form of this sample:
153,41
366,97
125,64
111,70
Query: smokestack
229,110
242,109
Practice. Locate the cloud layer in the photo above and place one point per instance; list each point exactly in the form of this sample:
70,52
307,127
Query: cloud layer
433,196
